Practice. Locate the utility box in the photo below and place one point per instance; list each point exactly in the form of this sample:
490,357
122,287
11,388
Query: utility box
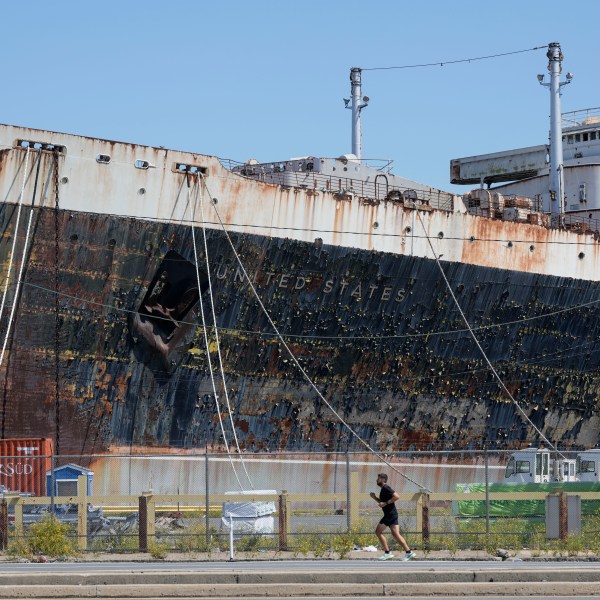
66,479
563,516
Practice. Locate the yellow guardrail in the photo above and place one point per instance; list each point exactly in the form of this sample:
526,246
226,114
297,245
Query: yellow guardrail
115,509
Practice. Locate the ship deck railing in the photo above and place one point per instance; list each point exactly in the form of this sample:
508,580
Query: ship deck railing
533,214
347,188
580,118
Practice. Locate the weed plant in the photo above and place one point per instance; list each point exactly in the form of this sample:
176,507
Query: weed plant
121,543
158,550
195,539
48,537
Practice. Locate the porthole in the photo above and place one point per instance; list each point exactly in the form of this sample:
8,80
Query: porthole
375,225
531,248
441,234
407,229
64,180
103,159
141,164
581,255
141,191
509,245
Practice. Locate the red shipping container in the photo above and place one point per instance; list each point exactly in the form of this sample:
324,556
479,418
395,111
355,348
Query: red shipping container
24,463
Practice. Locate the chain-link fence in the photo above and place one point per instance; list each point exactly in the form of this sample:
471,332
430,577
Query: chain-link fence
294,502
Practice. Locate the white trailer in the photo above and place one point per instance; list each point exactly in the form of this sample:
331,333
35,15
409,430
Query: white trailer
534,465
588,465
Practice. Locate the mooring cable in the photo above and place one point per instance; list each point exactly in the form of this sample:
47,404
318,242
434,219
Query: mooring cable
479,346
295,360
200,190
208,358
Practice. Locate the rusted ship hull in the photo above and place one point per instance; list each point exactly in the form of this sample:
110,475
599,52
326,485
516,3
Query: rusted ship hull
393,368
368,315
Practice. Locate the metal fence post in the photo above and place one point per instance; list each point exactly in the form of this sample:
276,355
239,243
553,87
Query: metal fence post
143,523
52,482
424,498
348,495
206,499
487,492
3,525
283,520
82,512
354,500
419,515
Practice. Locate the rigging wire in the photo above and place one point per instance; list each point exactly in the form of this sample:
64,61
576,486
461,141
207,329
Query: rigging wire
16,231
443,63
483,353
295,360
206,341
200,194
23,260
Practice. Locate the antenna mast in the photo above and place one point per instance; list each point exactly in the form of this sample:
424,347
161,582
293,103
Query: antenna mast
557,198
358,103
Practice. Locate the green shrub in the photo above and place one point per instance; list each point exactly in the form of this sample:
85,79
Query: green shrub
117,543
342,543
196,540
48,537
158,550
305,541
253,542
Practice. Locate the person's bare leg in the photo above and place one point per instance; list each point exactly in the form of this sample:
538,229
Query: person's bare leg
395,529
379,533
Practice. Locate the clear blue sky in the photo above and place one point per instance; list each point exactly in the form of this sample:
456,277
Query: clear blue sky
265,79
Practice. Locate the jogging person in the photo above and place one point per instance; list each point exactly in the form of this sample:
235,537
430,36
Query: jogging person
386,500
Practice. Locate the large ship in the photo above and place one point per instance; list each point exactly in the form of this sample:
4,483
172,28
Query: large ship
118,260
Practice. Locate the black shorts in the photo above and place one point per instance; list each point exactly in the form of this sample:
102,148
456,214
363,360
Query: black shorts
389,520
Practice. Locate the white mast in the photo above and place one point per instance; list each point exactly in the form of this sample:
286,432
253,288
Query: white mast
557,199
356,89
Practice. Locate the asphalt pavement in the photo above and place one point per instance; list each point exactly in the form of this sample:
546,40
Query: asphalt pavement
285,578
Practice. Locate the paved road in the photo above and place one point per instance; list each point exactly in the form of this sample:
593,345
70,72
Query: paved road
300,565
314,578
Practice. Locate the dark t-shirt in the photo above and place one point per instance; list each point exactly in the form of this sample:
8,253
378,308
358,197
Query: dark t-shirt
386,493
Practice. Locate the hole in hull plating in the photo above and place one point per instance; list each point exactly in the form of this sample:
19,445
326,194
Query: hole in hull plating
166,317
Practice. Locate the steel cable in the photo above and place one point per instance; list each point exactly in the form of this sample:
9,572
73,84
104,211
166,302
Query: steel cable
299,366
206,342
200,190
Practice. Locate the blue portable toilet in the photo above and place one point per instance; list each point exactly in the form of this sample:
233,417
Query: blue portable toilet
66,479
